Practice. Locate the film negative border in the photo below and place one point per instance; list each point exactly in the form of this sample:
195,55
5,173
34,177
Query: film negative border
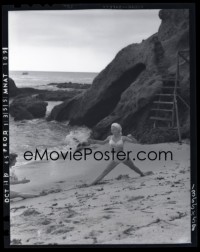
5,110
5,127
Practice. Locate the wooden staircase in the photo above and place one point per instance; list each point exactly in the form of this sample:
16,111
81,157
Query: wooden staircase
163,110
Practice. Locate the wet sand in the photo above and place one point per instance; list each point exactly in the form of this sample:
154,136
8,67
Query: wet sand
122,209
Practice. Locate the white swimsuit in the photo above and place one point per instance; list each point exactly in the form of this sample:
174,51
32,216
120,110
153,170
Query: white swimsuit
117,145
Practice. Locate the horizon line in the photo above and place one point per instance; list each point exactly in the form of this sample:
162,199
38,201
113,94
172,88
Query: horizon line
51,71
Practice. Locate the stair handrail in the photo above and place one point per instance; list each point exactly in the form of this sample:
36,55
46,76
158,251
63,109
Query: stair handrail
179,54
175,100
187,105
188,61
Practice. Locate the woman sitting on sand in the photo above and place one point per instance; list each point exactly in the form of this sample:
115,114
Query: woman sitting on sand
116,142
14,180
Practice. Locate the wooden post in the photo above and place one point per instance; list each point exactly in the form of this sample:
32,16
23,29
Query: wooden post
177,120
175,100
173,124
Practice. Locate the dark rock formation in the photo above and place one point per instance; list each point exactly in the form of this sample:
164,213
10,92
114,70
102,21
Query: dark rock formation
58,95
70,85
47,95
27,108
13,90
124,90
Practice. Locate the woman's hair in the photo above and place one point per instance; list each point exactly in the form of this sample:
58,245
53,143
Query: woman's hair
12,157
117,126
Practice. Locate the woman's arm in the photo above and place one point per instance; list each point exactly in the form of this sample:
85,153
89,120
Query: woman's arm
93,141
129,138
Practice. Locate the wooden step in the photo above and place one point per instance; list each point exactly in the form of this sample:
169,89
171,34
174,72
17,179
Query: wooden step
159,118
163,102
165,94
184,51
169,87
167,79
164,110
167,128
171,128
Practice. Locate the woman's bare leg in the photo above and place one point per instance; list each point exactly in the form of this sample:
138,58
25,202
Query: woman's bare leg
131,165
108,169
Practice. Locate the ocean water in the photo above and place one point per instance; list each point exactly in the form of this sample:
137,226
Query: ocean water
41,79
27,135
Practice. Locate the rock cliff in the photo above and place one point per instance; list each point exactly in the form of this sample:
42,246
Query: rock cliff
13,90
123,92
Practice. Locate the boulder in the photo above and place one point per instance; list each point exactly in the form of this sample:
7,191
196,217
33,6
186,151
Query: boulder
27,108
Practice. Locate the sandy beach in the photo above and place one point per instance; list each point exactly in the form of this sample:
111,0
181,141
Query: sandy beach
122,209
75,76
